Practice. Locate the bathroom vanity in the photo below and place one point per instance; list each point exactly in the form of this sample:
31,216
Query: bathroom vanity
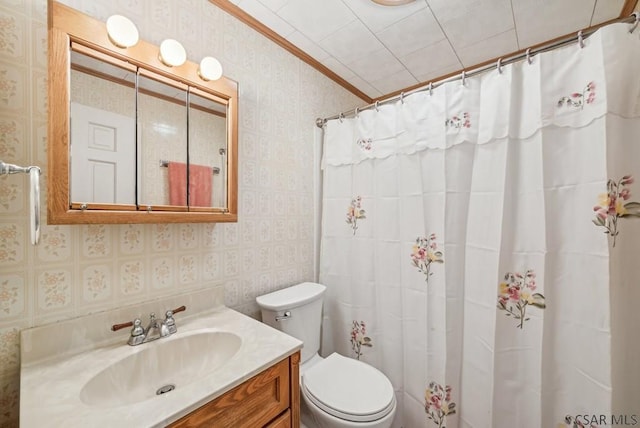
221,368
269,399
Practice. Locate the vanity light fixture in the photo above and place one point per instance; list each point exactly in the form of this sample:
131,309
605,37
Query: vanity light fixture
122,32
172,53
210,69
392,2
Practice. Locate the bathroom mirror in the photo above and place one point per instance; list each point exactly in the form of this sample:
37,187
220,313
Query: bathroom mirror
130,139
208,149
103,131
162,140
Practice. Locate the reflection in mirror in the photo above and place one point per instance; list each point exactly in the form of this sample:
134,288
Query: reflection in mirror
162,147
207,152
102,131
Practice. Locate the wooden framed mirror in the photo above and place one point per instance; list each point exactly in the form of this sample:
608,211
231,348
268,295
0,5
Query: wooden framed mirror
130,139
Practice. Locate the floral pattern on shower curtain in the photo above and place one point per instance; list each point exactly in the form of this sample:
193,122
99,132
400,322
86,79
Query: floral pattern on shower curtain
425,252
613,206
498,176
516,293
579,99
438,403
359,338
355,213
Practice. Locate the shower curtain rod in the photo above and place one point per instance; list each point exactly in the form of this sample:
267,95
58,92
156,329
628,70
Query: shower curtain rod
463,74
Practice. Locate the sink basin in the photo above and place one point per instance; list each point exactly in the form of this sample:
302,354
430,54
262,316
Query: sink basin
160,367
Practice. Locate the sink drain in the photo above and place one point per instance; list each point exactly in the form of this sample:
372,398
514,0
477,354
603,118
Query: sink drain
165,389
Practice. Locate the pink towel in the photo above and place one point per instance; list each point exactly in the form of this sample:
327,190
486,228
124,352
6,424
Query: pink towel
177,183
200,182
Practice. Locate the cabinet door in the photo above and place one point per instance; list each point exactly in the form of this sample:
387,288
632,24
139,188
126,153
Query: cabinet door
255,403
283,421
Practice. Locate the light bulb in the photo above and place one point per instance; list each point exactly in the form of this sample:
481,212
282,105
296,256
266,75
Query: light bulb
210,68
172,53
122,31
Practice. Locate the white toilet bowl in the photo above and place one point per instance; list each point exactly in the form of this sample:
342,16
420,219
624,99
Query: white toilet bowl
340,392
337,392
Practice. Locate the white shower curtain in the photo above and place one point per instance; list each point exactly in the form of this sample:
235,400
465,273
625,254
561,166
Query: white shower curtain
481,245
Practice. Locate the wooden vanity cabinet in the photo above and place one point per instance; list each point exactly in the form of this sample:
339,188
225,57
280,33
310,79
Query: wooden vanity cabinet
270,399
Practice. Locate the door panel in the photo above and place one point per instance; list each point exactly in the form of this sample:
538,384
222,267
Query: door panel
103,153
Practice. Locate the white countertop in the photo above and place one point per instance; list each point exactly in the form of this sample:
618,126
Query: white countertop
50,386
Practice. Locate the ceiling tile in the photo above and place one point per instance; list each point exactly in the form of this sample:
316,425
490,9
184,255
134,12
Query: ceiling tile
377,17
606,10
446,10
364,86
266,16
316,19
431,58
351,42
394,82
307,46
487,19
412,33
540,20
486,49
376,66
274,5
435,74
338,68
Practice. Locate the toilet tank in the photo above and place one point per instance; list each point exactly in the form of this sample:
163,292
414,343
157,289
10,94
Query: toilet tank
297,311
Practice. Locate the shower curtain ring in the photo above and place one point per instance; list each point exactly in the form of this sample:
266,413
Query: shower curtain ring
499,65
341,117
528,54
430,88
580,39
377,103
464,77
357,111
635,25
402,97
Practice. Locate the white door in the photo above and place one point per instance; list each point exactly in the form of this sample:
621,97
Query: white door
102,156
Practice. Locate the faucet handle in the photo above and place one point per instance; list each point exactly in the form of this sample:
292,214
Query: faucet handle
137,333
169,321
117,327
137,329
180,309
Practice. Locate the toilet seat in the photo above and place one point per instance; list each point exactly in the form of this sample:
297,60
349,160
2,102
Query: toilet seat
348,389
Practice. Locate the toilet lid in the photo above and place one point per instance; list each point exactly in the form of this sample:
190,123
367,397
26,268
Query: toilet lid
349,389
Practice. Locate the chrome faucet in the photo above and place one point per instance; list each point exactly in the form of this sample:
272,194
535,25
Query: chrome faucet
156,329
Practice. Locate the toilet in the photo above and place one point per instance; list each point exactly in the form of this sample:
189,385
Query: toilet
337,391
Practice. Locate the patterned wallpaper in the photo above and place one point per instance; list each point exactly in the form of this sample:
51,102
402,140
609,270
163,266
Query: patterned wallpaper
77,270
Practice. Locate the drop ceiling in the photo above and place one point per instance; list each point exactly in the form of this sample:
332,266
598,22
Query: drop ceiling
383,49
